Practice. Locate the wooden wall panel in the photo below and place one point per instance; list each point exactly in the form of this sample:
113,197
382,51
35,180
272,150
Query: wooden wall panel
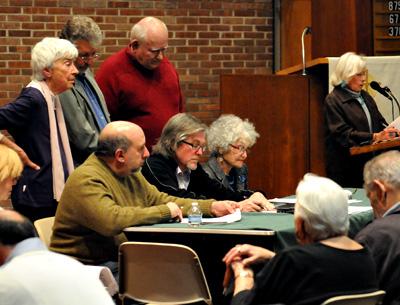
340,26
295,16
279,108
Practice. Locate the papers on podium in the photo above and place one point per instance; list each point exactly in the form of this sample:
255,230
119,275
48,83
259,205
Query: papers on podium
236,216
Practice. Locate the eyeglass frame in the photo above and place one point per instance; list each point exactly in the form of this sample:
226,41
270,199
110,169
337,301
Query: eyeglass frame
88,57
241,149
156,52
195,147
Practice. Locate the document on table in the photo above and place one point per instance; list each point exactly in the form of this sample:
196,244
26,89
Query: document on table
356,209
236,216
293,200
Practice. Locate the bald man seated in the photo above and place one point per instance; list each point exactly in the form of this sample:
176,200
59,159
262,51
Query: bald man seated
108,193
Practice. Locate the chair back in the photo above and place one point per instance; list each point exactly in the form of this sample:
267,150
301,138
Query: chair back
372,298
44,228
161,273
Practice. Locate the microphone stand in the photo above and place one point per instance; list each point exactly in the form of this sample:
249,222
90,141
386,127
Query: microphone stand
307,30
393,99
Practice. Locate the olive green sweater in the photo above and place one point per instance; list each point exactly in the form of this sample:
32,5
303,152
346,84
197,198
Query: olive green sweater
96,205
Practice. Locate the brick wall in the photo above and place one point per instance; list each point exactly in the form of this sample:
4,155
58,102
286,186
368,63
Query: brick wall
207,38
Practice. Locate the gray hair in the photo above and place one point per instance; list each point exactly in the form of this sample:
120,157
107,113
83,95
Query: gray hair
228,129
385,167
82,28
140,29
47,51
177,129
107,146
323,205
349,64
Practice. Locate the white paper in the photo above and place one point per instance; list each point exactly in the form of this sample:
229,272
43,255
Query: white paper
357,209
236,216
293,200
395,123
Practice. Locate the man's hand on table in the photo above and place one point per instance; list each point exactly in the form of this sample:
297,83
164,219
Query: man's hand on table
176,212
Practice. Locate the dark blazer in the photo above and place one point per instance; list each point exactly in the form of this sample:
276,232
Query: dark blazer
83,130
381,238
161,172
347,126
27,120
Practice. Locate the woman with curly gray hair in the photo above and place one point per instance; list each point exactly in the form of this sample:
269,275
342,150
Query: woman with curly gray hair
229,140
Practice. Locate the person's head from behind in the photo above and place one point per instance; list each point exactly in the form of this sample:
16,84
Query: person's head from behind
14,228
52,60
10,169
350,71
382,181
86,35
122,146
230,139
149,41
321,209
184,139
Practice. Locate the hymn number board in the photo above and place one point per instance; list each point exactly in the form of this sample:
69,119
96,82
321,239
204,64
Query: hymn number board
386,19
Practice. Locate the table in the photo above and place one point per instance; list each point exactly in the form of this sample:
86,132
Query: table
212,241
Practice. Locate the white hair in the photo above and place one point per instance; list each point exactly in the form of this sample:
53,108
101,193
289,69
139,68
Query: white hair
349,65
323,205
228,129
385,167
49,50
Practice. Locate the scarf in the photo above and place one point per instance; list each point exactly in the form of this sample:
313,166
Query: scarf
54,109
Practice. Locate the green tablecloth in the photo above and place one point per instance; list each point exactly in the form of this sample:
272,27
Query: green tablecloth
283,224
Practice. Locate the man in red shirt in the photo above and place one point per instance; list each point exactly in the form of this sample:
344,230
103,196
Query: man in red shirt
139,83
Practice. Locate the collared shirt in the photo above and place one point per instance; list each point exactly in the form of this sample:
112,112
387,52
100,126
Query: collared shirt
27,245
183,178
93,100
393,207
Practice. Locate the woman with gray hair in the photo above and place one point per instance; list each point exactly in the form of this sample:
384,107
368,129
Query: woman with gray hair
229,139
352,118
36,122
327,263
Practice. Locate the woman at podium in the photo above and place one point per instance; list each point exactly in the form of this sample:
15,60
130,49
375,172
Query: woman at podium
352,118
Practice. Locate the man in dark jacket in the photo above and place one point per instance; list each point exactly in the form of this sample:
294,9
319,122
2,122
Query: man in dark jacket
381,237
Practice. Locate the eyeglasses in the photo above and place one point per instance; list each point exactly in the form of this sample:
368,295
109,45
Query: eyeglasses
242,149
157,52
85,58
195,147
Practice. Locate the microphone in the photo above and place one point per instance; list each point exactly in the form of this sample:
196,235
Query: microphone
307,30
384,91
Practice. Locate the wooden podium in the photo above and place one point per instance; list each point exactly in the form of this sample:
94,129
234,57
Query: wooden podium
287,112
385,145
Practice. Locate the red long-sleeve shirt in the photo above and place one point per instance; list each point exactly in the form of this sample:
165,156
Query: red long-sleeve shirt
145,97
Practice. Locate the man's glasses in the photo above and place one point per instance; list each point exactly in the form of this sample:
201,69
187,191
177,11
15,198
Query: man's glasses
86,58
240,148
195,147
156,52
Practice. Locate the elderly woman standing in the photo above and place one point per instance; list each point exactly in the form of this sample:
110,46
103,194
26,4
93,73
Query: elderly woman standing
352,118
325,264
36,122
229,139
10,170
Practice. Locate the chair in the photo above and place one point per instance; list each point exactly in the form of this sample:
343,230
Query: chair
44,228
161,273
372,298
